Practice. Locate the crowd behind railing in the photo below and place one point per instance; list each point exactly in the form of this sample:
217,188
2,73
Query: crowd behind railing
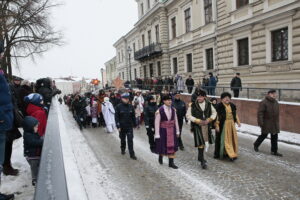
23,105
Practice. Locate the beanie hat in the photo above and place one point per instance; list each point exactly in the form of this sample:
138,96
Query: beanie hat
34,98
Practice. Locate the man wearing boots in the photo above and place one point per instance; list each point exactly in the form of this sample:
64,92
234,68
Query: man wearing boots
125,122
201,113
180,107
149,112
268,120
166,131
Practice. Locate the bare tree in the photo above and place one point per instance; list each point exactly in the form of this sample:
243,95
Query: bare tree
26,30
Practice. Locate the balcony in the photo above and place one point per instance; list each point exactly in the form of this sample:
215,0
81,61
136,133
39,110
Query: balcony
148,52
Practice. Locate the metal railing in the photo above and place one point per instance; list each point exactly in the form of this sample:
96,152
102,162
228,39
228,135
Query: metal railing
153,49
51,182
283,94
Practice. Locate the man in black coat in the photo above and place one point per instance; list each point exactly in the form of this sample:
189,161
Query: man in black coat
236,85
149,112
190,84
125,122
180,107
44,88
114,100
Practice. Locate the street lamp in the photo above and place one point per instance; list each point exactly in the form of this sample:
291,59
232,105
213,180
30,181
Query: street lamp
102,70
129,54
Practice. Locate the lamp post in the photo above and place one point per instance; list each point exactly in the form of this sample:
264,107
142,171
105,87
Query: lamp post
102,70
129,54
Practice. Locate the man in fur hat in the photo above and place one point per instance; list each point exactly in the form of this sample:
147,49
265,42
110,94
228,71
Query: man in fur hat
201,113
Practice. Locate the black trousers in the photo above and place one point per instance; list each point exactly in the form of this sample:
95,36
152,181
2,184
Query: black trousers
217,144
129,134
150,134
180,123
8,152
236,93
190,89
274,141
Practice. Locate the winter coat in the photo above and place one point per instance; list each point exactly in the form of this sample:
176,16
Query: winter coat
6,106
180,84
149,114
212,81
115,101
189,82
125,117
268,116
236,83
32,141
40,114
180,107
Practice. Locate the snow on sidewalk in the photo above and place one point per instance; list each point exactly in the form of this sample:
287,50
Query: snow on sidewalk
19,185
283,136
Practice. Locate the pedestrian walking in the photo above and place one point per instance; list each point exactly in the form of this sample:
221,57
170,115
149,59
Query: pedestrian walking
226,134
201,113
166,132
180,107
268,120
149,112
190,84
236,85
125,122
109,115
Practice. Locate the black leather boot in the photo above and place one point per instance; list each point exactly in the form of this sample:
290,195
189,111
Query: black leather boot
160,159
201,158
171,163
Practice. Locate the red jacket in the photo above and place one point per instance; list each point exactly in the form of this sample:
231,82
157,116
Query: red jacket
40,114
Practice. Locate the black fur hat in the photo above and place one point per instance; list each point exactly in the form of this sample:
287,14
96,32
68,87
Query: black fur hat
225,94
166,97
200,93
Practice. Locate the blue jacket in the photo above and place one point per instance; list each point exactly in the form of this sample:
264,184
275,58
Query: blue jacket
212,82
6,106
33,143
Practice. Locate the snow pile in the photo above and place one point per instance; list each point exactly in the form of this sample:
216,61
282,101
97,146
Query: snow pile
19,185
284,136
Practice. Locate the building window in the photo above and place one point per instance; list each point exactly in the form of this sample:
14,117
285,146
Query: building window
145,71
148,4
135,73
142,8
157,33
158,68
208,11
280,50
209,58
149,37
243,51
187,17
119,56
151,70
175,66
143,41
241,3
189,62
173,22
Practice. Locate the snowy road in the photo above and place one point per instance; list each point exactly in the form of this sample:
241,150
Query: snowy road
252,176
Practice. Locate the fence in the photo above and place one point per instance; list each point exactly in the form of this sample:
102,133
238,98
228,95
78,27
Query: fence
284,94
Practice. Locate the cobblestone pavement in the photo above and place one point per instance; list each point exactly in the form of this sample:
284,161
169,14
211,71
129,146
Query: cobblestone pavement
252,176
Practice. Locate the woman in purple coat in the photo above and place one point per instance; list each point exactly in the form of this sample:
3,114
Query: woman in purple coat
166,131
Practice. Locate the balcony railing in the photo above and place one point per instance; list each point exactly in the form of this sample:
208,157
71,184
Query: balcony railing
148,52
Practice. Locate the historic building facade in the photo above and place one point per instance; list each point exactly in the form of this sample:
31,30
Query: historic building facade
258,38
111,70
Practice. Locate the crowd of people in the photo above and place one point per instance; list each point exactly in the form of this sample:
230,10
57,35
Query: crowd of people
23,105
164,114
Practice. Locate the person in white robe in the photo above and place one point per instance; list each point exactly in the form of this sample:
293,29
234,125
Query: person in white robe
108,112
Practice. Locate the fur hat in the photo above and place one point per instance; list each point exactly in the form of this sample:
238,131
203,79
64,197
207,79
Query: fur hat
225,94
166,97
200,93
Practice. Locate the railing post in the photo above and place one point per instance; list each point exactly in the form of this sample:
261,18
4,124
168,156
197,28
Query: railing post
279,94
248,93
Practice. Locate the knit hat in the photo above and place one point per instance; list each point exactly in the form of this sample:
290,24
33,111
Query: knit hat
125,95
34,98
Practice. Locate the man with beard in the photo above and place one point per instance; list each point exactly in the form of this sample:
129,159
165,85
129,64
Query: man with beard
201,113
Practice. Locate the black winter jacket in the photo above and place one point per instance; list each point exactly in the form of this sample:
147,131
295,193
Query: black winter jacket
125,117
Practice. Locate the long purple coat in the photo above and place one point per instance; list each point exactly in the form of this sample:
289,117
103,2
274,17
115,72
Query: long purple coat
167,144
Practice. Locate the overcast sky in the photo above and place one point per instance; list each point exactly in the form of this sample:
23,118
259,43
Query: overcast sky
90,28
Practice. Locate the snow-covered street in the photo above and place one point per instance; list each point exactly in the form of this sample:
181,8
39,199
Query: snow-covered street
107,174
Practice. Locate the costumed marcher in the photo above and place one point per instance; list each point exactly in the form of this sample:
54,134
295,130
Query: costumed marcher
268,120
138,102
125,122
180,107
94,113
226,134
166,131
33,144
109,115
100,98
201,113
149,112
